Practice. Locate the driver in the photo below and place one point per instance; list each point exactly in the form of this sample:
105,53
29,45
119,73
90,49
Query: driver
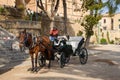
54,34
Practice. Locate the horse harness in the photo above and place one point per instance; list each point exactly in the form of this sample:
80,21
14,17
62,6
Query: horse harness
43,45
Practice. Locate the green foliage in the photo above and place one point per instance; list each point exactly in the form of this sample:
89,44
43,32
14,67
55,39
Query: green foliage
89,22
112,42
2,10
113,6
96,6
87,4
79,33
26,17
117,1
103,41
92,4
92,20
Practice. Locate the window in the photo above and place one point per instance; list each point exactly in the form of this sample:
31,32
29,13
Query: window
118,19
104,20
119,26
104,28
112,24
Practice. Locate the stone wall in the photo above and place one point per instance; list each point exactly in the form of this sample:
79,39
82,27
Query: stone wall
37,28
14,26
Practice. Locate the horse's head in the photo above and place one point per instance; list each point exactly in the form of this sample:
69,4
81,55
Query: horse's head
25,39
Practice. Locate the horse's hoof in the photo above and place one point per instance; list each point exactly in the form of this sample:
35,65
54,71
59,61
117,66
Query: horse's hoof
49,67
35,70
32,69
29,69
42,65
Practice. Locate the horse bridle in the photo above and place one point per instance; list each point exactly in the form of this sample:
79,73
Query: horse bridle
31,45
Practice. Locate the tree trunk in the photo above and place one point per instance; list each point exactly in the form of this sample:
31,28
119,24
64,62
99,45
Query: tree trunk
21,6
87,41
48,18
65,16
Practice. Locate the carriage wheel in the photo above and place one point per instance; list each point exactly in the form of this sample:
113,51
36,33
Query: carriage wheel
62,59
83,56
41,60
67,59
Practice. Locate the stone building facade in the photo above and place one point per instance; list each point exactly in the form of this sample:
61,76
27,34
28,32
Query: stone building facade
74,13
110,25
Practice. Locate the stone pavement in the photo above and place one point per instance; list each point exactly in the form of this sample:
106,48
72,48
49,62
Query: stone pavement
7,56
98,66
98,48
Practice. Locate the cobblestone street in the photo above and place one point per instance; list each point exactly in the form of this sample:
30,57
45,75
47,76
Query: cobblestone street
103,64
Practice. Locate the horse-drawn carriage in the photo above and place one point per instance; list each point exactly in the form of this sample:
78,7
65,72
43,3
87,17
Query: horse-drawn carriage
42,44
67,48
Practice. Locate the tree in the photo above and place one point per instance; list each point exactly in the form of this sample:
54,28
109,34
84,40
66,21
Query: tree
54,8
65,16
48,16
113,6
21,6
92,19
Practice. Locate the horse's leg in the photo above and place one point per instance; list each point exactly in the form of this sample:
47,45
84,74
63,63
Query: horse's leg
32,61
49,63
36,57
20,47
49,55
44,61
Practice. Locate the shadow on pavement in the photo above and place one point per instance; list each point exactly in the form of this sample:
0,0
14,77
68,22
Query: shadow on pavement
75,71
94,69
9,59
50,78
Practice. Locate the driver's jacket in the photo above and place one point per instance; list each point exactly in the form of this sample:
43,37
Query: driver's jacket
54,33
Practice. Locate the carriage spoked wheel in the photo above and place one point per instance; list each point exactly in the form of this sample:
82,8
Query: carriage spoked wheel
67,59
62,59
41,60
83,55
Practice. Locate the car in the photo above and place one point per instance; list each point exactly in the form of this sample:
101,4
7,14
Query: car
6,38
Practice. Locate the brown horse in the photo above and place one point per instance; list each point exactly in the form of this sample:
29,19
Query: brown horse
42,45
